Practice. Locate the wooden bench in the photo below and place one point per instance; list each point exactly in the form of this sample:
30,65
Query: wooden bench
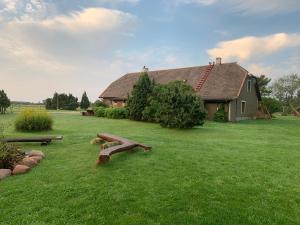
44,140
125,145
88,112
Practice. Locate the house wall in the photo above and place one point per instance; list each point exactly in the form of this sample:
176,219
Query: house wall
114,103
250,97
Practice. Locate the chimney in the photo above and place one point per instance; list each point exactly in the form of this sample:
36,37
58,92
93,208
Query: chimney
218,61
145,69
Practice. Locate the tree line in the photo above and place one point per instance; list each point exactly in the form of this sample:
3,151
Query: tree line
67,102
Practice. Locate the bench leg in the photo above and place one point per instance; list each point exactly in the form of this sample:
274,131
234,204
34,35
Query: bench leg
102,159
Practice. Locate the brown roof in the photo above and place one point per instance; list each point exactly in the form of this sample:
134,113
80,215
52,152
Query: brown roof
223,83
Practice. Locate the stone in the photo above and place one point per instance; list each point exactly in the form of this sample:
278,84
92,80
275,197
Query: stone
36,153
27,161
4,173
20,169
36,158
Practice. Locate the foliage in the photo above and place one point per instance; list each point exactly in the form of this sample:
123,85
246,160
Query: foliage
175,105
263,85
221,115
4,102
99,111
85,102
273,105
112,113
116,113
139,97
285,89
33,120
62,101
99,103
9,155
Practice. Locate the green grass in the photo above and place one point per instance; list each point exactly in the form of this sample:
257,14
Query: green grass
229,174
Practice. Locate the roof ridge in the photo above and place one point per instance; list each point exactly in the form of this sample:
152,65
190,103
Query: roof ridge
189,67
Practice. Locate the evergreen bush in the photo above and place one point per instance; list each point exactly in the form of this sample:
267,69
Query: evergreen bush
137,102
221,115
175,105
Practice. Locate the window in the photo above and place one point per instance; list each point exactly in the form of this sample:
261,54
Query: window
249,85
243,107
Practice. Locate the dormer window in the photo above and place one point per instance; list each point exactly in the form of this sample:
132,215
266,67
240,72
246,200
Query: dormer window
249,84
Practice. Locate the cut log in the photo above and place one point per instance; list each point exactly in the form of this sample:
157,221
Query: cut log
125,145
44,140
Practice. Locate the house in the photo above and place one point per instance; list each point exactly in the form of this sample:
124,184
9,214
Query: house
217,83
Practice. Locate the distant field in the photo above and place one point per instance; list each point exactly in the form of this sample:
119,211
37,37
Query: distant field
19,107
245,173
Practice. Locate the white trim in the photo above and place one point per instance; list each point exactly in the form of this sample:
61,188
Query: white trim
243,113
229,111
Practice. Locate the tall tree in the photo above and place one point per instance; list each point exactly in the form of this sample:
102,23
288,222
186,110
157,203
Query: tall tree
85,102
4,102
286,88
263,84
138,100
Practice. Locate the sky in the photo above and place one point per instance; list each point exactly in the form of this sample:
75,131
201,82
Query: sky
65,46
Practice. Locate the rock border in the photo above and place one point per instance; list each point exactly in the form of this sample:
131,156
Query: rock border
31,159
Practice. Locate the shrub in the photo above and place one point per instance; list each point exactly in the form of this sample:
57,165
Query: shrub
116,113
99,103
33,120
100,111
175,105
9,155
221,115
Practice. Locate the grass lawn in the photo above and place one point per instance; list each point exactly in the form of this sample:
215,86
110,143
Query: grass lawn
228,174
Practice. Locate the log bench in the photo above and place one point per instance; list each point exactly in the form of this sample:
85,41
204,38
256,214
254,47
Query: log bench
44,140
125,145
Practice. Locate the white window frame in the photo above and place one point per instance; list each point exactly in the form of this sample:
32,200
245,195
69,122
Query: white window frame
249,85
242,113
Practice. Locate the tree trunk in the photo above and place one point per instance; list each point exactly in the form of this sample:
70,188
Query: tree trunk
296,113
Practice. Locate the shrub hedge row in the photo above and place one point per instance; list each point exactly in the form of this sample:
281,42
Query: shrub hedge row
112,113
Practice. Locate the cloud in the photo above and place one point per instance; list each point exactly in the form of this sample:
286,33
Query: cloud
249,47
250,6
69,53
90,19
199,2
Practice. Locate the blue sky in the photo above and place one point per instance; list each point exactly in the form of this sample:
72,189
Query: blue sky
72,46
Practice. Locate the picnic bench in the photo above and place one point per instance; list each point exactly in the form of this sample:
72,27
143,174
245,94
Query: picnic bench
44,140
125,145
88,112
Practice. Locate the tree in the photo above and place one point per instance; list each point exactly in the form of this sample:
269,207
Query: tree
62,101
139,97
286,88
48,103
263,85
85,102
273,105
4,102
175,105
